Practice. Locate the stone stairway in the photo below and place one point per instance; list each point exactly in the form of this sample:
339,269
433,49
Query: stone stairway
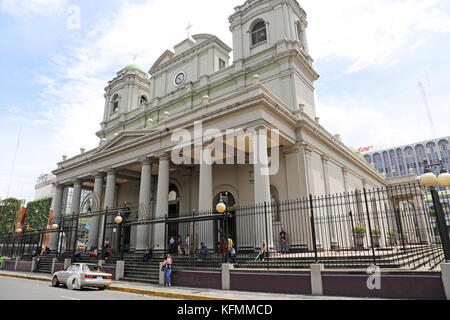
414,257
136,270
45,265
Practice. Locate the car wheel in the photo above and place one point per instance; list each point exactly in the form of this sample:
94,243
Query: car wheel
75,285
101,288
55,282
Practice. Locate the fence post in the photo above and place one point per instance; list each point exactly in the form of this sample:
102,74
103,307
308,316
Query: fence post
75,237
370,227
192,244
441,223
166,227
267,235
105,220
313,229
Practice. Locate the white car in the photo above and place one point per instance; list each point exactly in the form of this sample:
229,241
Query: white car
80,275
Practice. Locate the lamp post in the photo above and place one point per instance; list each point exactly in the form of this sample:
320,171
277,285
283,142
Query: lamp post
118,221
429,179
221,208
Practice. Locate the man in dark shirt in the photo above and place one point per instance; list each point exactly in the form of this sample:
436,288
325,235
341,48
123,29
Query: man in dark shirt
283,238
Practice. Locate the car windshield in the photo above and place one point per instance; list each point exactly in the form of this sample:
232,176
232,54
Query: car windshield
92,268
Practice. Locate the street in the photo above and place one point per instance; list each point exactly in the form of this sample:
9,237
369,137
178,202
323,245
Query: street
25,289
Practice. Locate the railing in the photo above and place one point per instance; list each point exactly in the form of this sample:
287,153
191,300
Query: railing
390,227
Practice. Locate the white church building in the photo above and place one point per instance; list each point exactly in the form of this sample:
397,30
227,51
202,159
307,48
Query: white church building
262,101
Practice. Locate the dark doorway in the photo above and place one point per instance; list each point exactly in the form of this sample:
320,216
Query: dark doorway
174,212
226,226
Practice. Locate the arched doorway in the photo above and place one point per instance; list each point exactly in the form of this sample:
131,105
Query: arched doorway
226,227
174,210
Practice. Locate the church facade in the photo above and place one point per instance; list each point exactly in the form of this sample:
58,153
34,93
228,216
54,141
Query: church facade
198,126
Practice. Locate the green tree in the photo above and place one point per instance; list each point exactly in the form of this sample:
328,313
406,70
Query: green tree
38,213
8,214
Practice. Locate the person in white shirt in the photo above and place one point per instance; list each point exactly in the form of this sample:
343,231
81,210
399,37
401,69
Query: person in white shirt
187,245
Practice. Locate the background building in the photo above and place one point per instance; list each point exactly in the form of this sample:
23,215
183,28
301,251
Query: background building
396,161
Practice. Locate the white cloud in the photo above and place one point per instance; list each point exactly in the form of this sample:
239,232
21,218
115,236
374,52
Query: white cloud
371,32
362,122
35,7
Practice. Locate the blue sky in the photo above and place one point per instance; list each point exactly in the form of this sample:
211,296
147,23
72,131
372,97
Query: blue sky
370,55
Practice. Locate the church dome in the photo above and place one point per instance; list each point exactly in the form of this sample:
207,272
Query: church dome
132,67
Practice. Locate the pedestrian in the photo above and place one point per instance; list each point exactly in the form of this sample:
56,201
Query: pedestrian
230,245
283,241
37,259
168,270
179,245
262,252
202,252
219,249
46,251
93,252
148,254
172,243
232,258
187,244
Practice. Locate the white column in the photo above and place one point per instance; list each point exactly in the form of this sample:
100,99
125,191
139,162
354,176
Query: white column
162,201
144,204
303,39
96,206
205,205
57,206
263,222
110,192
297,225
309,172
331,225
75,210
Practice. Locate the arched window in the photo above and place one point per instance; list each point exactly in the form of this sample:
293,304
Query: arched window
259,33
173,193
143,100
115,103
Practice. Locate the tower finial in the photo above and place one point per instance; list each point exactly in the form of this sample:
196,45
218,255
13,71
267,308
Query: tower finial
189,26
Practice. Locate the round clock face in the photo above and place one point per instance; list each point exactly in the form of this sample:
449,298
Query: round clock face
179,79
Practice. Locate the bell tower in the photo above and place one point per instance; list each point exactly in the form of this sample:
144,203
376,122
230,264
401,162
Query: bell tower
275,31
128,91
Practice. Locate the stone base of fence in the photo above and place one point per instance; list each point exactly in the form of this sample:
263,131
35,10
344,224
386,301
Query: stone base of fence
120,270
445,270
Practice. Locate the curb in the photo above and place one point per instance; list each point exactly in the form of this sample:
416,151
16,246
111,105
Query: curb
181,296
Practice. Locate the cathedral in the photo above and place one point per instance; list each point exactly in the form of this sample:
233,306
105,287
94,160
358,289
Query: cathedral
199,125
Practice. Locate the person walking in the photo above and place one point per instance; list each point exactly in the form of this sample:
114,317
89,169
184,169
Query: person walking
283,241
187,245
173,244
168,270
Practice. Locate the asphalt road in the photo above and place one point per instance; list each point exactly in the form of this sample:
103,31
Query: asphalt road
25,289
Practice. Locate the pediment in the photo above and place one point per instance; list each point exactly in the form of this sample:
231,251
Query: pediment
124,138
166,56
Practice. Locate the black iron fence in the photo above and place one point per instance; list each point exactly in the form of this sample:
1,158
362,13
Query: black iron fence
392,227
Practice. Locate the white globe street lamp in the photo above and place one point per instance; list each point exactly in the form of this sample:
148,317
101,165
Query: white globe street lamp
221,207
118,220
444,179
428,179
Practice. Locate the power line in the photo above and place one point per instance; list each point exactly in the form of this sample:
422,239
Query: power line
14,161
427,107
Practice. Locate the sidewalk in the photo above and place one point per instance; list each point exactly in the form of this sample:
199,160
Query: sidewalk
183,293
